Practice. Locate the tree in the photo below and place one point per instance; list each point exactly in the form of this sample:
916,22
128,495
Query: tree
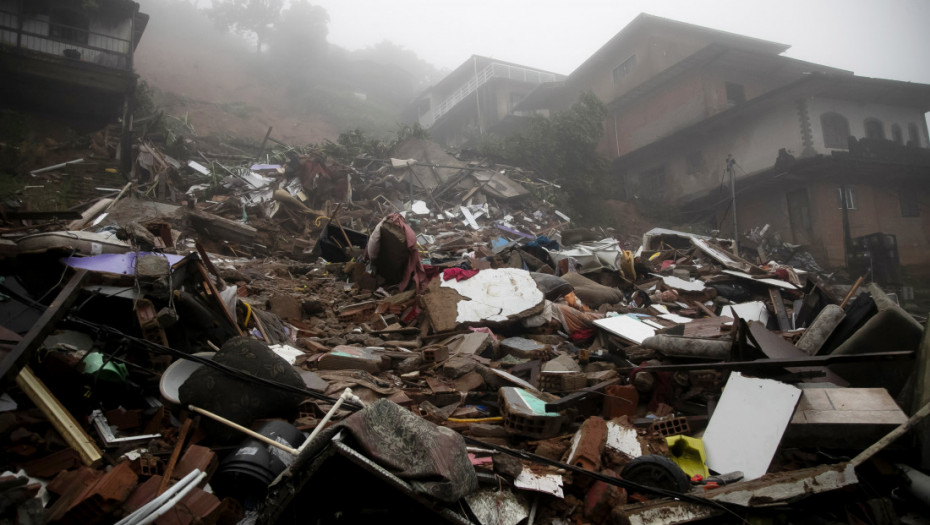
563,149
300,34
248,16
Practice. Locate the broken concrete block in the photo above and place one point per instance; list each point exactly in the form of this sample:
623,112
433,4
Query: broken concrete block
344,357
525,348
483,430
601,498
561,363
434,354
526,415
620,400
507,465
458,366
588,444
468,382
562,381
473,343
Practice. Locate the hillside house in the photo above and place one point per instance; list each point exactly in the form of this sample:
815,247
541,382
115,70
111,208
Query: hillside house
682,99
70,57
478,97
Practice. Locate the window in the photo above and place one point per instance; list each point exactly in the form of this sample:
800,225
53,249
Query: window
835,131
736,94
913,135
874,129
850,198
624,69
909,205
896,135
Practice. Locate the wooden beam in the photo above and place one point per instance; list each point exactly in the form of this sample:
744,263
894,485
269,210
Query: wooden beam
784,324
760,364
19,355
61,419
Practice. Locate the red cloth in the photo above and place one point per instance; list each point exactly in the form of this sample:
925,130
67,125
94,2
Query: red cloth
459,274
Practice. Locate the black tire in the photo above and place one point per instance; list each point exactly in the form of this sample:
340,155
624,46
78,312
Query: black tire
657,472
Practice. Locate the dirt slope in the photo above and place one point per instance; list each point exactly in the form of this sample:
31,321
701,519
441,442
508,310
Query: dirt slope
206,76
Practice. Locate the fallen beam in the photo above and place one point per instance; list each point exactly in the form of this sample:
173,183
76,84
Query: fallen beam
784,362
19,355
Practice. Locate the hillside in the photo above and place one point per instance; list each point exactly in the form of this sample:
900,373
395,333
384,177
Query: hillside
218,84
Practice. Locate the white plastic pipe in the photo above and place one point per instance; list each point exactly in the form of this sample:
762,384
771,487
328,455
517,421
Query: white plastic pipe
346,394
146,509
173,501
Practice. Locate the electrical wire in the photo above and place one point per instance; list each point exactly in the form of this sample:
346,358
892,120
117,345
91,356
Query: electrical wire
355,407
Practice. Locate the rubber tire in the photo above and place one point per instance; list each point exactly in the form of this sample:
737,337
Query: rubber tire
657,472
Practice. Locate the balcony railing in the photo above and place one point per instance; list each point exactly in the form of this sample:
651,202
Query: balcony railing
62,40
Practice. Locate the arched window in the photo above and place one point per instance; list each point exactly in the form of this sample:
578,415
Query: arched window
874,129
896,135
835,130
913,135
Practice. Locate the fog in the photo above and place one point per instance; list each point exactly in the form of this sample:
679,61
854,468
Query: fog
358,63
879,39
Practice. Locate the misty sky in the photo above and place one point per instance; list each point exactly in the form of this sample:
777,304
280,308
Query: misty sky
886,39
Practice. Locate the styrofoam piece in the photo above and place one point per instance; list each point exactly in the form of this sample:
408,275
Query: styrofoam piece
626,327
287,352
751,311
681,284
494,295
747,426
769,281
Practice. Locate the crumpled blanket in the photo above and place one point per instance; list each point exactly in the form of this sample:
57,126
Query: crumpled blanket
431,458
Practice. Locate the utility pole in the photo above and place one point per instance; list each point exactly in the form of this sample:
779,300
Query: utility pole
730,162
477,94
847,236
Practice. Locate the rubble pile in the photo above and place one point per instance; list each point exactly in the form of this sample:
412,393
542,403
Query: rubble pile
224,340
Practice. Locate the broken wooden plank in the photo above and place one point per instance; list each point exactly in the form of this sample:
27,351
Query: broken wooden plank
579,396
59,416
784,324
774,346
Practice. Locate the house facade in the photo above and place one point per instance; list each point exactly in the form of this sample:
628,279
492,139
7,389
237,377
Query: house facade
478,97
69,56
682,99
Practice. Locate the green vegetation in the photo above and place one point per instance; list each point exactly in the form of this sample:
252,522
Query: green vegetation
562,149
354,143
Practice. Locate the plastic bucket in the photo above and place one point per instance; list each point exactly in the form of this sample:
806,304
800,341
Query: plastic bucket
246,473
